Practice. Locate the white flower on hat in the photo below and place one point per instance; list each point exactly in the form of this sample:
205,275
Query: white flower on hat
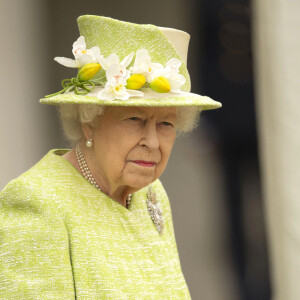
171,73
114,59
144,66
115,87
82,55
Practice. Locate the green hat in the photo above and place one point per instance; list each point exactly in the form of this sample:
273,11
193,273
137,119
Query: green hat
127,64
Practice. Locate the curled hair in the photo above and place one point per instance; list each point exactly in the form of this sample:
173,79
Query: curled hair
72,115
187,119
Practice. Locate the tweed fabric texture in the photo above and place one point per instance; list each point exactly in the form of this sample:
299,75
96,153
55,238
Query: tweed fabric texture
62,238
122,38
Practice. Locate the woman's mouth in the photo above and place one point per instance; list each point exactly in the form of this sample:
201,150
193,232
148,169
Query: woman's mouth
144,163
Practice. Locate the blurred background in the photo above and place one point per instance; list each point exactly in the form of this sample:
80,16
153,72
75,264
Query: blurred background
234,182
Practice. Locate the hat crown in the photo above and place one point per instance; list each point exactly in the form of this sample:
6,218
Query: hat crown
180,40
122,38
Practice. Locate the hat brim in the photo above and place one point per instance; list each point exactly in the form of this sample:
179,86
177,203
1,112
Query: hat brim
150,99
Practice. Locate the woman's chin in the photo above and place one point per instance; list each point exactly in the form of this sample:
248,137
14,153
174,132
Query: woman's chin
139,182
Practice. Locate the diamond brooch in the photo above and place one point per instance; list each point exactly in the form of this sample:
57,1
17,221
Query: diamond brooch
155,211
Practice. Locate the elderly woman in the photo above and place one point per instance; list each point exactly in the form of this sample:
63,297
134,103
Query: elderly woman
94,222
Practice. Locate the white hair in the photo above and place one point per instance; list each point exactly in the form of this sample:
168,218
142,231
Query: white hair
73,115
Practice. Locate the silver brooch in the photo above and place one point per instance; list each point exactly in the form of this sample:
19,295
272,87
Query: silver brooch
154,211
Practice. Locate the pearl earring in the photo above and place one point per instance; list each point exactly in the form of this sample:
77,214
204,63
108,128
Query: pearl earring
89,143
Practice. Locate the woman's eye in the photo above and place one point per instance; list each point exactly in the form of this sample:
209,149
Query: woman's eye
167,124
135,118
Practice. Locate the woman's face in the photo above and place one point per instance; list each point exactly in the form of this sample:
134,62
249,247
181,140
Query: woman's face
132,145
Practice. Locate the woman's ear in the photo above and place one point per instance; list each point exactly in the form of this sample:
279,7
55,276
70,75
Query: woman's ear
87,130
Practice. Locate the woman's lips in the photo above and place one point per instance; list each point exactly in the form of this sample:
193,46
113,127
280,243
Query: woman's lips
144,163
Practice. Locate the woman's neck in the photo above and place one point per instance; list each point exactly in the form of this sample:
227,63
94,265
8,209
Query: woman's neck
118,193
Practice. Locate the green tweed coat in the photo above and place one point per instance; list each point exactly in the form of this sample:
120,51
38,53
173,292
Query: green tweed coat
61,238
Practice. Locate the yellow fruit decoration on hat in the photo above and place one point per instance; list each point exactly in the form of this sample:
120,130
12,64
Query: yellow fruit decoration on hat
135,81
160,85
88,71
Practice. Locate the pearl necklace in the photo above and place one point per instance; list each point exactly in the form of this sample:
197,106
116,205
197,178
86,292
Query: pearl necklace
88,175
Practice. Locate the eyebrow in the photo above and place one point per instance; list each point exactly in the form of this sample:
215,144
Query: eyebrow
130,111
170,115
142,112
139,110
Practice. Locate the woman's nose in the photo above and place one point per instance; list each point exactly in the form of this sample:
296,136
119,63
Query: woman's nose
150,136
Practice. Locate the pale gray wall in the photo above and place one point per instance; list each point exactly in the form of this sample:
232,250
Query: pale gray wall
277,57
23,121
